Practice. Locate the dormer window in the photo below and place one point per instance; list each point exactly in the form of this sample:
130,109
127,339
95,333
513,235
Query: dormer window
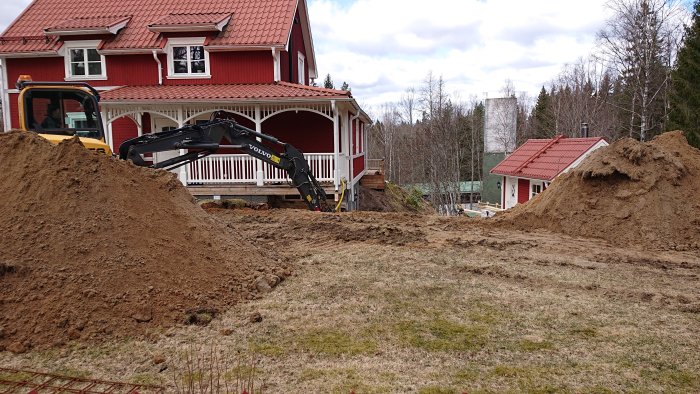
187,58
85,62
82,61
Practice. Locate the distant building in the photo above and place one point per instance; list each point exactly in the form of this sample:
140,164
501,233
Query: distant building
530,169
500,125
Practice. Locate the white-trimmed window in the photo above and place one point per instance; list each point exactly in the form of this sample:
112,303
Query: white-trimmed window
536,189
301,64
187,58
83,61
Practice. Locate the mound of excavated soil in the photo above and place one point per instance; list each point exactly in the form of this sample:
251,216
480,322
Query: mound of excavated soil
630,192
94,247
392,199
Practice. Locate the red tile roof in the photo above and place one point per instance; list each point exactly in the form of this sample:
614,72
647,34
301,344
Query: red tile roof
89,22
242,92
255,23
544,159
191,18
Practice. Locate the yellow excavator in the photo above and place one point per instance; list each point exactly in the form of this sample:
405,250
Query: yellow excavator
62,110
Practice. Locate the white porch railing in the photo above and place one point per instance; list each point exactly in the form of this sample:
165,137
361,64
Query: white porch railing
227,169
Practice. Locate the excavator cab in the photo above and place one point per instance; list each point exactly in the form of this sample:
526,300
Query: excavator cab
62,110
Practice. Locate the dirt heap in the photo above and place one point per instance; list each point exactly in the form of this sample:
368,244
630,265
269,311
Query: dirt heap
627,193
393,199
95,247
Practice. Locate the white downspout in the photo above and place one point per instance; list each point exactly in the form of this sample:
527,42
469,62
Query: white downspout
336,147
5,97
160,67
276,64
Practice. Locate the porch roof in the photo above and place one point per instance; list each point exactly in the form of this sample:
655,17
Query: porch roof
220,93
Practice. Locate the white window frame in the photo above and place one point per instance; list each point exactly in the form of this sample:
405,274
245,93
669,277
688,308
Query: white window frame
532,189
85,45
301,65
74,117
187,42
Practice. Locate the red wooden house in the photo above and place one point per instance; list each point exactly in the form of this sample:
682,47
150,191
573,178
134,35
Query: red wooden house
530,168
162,64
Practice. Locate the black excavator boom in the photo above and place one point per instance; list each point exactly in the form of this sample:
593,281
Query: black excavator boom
204,139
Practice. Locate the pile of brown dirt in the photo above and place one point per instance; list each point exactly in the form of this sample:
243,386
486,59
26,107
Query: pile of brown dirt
630,192
393,199
95,247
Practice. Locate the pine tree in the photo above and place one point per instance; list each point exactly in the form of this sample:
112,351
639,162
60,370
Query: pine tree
328,82
685,96
543,123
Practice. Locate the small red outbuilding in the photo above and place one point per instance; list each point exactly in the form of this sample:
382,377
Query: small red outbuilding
529,170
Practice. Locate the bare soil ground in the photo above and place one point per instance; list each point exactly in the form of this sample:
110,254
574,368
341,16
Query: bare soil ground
398,302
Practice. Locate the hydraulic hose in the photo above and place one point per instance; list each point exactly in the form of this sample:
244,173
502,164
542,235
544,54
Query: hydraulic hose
342,195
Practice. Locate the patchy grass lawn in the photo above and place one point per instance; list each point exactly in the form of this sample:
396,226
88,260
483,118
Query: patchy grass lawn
457,309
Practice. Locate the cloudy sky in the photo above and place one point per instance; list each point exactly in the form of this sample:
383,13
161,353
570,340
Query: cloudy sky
383,47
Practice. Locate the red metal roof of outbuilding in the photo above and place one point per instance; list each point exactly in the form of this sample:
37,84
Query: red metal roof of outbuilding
208,93
255,23
544,158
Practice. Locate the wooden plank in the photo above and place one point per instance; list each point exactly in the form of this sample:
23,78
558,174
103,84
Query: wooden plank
376,182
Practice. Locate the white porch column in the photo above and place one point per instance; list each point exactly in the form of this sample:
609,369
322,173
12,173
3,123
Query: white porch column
260,174
182,174
138,119
110,141
336,147
104,114
5,97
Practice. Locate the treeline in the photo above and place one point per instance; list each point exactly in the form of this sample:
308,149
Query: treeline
643,79
430,139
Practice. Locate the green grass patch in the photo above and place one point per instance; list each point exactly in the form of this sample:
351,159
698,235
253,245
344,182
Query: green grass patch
147,378
674,379
486,314
267,348
335,343
465,375
534,346
15,376
71,372
441,335
585,332
437,390
346,380
530,379
597,390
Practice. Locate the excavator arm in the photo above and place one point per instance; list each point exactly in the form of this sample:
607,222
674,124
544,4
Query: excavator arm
204,139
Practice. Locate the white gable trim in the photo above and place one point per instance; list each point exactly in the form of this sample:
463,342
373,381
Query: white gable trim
600,144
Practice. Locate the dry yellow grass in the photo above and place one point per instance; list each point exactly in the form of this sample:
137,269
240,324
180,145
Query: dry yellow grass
385,303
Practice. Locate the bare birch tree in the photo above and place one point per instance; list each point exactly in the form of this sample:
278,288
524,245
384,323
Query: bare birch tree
639,43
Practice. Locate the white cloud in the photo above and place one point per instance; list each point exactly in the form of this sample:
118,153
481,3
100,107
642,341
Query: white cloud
382,47
9,10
